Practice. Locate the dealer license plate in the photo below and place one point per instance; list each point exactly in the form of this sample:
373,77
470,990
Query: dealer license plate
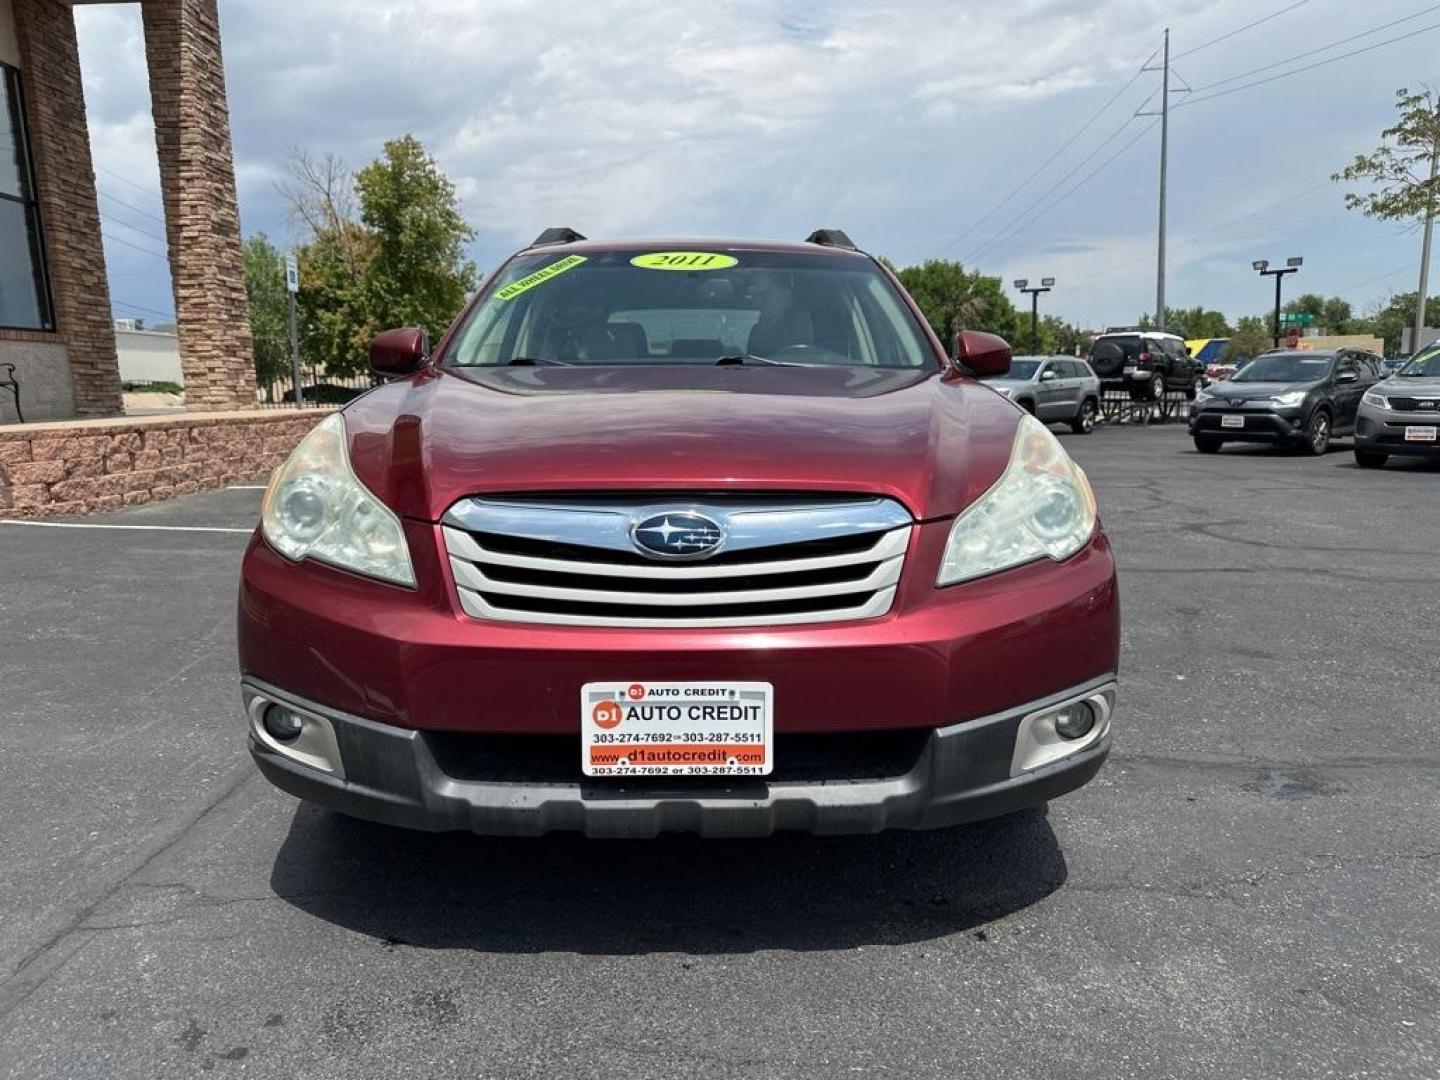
676,729
1420,434
1232,421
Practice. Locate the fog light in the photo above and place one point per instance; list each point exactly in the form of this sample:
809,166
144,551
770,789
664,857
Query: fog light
1071,722
281,724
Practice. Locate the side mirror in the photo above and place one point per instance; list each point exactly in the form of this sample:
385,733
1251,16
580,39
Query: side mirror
1048,375
981,353
397,353
1347,377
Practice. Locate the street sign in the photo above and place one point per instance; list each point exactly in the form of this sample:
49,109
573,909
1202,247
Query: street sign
292,274
1296,318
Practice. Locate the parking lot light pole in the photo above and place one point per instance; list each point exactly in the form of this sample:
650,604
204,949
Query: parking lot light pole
1046,284
1292,266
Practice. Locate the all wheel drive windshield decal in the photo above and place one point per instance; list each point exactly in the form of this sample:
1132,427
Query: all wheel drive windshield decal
539,277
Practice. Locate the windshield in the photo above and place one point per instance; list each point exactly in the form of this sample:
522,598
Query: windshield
670,307
1423,365
1020,369
1285,368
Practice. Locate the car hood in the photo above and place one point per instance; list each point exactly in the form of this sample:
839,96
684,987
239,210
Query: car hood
1406,387
1252,390
933,442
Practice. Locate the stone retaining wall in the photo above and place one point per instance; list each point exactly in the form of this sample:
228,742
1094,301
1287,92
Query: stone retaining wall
84,466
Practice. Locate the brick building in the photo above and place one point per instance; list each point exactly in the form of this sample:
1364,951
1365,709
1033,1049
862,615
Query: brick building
55,319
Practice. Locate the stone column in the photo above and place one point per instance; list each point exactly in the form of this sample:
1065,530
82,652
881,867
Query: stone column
65,188
197,181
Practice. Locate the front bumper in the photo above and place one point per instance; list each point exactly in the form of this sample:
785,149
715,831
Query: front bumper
1383,431
447,782
1261,425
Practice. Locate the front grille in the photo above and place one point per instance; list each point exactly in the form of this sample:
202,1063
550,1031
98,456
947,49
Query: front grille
572,561
1411,404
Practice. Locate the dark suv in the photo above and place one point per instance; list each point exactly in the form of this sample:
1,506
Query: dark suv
1147,363
1286,397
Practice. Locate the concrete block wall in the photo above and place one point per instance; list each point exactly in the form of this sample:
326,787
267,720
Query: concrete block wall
79,468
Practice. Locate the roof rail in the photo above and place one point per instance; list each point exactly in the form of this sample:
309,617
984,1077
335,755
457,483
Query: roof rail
831,238
560,235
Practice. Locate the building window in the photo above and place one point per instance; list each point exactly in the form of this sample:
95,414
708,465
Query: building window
24,290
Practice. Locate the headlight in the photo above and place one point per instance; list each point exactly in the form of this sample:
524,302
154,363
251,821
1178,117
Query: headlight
1289,399
1204,396
316,508
1042,507
1378,401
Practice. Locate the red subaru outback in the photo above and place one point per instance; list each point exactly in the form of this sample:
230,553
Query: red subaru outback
705,536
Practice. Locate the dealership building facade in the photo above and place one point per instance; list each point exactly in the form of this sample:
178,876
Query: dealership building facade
56,325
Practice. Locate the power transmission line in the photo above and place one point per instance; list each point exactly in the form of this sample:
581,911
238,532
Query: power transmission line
1008,231
111,238
130,206
135,228
126,180
1312,52
142,308
1077,186
1207,231
1239,30
1047,162
1308,67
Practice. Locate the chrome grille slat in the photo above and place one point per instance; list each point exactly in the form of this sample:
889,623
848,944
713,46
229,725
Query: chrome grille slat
469,576
765,589
462,545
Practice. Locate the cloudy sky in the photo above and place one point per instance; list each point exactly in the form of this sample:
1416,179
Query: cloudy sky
904,122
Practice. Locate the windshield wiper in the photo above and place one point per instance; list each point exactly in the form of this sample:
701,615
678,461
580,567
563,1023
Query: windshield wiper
535,361
751,358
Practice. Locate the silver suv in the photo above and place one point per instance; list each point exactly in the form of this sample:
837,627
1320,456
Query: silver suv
1055,389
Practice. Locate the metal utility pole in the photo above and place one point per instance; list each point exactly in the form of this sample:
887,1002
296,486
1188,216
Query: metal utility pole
1164,165
292,286
1046,284
1292,266
1415,345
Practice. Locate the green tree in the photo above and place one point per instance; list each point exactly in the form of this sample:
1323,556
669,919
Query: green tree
1197,322
1331,314
1404,174
385,247
954,299
267,302
1061,337
1389,319
1251,336
418,274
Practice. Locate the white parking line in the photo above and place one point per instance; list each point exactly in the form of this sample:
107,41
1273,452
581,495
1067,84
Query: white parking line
246,487
142,528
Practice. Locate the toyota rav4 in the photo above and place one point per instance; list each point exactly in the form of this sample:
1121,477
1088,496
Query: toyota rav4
700,536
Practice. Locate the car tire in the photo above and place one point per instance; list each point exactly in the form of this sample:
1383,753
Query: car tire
1370,459
1084,421
1208,444
1196,385
1317,433
1153,390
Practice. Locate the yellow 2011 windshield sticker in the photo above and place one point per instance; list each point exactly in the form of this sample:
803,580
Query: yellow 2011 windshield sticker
539,277
683,260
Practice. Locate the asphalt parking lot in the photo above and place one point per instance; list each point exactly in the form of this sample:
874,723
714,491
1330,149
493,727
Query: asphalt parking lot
1249,888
